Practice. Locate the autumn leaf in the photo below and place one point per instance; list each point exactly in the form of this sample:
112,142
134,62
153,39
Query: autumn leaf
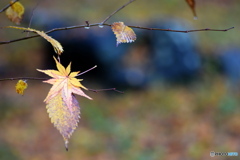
62,105
15,12
21,86
191,3
124,34
63,119
56,45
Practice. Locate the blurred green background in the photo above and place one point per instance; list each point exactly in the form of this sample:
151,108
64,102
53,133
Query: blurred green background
167,121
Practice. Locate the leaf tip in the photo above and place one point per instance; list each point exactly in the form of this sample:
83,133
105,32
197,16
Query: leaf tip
66,145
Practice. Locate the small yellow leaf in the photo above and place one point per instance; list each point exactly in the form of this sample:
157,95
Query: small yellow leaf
15,12
21,86
124,34
56,45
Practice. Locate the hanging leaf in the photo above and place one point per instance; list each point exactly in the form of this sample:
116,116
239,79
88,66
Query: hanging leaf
63,119
15,12
62,106
56,45
191,3
21,86
124,34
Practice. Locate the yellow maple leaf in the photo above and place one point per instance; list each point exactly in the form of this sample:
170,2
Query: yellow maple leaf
56,45
15,12
21,86
124,34
61,103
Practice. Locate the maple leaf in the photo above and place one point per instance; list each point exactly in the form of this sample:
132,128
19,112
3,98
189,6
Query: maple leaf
124,34
62,105
15,12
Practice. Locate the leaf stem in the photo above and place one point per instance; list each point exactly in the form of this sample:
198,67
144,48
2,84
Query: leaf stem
87,70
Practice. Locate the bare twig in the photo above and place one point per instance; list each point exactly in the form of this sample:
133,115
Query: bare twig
35,78
108,17
97,24
109,89
6,7
186,31
30,22
87,70
25,78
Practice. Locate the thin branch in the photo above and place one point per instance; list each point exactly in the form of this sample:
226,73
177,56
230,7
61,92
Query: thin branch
186,31
108,17
6,7
35,78
87,70
30,22
50,31
87,25
109,89
97,24
25,78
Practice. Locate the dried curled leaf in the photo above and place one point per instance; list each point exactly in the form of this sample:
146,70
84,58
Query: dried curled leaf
124,34
21,86
191,4
62,105
56,45
15,12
